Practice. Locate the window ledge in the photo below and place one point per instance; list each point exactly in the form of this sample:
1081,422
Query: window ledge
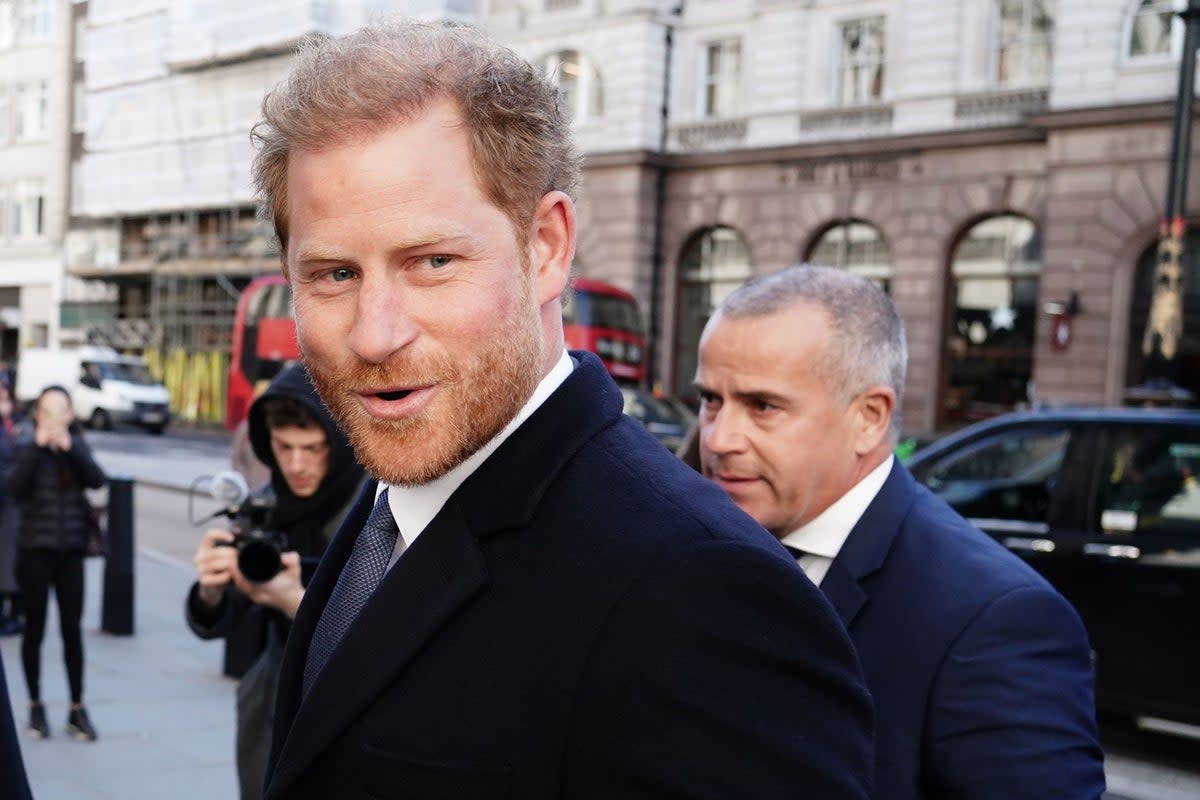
869,116
710,132
1002,101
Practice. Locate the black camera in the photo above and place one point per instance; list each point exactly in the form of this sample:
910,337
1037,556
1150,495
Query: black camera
259,549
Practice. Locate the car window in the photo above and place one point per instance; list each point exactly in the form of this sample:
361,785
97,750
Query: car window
1009,475
648,408
1150,480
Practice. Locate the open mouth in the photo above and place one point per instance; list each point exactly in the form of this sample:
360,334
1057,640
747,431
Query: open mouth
399,395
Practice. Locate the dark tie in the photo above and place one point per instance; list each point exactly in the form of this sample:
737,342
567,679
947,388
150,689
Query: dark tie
363,571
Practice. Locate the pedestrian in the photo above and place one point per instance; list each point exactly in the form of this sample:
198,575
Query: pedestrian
51,467
980,671
536,599
313,482
11,622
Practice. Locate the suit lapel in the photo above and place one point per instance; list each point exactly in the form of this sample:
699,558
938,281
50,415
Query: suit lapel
867,546
442,571
843,591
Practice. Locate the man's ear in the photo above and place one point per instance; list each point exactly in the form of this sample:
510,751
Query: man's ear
552,245
872,412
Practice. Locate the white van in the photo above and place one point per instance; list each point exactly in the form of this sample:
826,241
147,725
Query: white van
105,386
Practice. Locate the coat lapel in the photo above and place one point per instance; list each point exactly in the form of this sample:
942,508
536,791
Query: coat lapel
315,596
867,546
442,571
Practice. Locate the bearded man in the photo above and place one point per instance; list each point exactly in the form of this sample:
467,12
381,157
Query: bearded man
534,599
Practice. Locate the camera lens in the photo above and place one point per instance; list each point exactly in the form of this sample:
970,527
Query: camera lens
258,560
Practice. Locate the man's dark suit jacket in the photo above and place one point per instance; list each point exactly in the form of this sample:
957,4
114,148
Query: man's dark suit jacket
585,618
980,671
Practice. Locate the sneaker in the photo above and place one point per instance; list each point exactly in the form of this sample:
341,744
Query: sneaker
79,727
38,728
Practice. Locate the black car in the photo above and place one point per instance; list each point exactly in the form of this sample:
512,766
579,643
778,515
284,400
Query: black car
667,419
1105,504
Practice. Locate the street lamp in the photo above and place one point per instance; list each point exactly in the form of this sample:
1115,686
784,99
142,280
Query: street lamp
1164,326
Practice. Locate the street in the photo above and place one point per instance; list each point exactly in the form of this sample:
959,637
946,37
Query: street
1141,765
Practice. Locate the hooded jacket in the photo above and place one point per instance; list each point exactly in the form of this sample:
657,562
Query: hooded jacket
254,634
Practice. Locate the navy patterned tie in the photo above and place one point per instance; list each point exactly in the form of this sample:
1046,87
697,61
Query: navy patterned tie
360,576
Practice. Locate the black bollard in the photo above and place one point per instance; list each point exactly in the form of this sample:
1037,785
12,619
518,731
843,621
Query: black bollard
116,615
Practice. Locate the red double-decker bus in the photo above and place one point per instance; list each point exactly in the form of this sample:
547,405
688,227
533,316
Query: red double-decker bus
596,316
605,320
264,340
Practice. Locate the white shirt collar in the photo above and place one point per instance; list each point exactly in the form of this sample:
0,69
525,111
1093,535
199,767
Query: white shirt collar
825,535
414,507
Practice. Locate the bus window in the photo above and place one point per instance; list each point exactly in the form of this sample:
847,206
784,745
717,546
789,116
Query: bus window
605,320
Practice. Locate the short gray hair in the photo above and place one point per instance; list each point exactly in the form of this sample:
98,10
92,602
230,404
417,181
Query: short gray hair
867,346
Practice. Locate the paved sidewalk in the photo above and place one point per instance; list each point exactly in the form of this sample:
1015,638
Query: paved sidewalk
164,711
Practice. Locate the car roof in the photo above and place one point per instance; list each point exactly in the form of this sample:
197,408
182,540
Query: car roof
1118,415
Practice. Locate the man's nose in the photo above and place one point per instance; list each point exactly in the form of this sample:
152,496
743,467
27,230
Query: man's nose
384,319
722,433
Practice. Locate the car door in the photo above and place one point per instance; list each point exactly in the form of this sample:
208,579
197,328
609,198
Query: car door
1137,580
1011,483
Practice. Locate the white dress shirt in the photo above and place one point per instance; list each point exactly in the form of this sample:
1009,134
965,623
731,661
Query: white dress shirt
822,538
414,507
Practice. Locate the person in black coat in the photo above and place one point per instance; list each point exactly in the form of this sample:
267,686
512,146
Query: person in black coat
13,783
51,467
537,599
314,480
980,671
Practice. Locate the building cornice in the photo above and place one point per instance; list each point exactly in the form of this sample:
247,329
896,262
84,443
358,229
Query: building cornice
880,146
1099,116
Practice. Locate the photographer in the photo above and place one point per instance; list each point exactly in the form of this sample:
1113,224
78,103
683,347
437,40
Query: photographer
314,480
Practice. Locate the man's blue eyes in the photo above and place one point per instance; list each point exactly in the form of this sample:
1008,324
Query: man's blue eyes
345,274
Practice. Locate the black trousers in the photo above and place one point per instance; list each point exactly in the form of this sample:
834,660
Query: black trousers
37,571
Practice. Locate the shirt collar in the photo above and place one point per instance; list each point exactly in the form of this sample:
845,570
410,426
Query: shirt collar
414,507
825,535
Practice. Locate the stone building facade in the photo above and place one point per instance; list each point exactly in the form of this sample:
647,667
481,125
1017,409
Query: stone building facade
993,165
35,123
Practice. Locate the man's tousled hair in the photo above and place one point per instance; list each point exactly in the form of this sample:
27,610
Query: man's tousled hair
344,89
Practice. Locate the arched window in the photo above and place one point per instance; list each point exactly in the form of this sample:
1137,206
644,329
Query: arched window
714,263
1155,29
994,293
580,93
1023,41
857,247
1187,364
